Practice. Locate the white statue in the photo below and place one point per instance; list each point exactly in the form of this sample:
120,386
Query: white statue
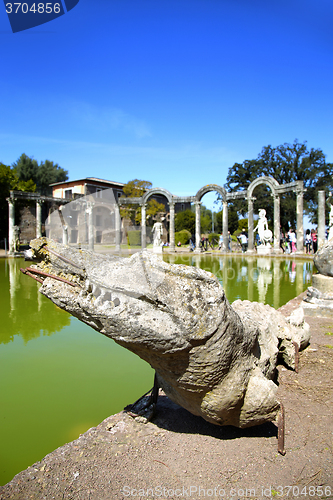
157,232
265,234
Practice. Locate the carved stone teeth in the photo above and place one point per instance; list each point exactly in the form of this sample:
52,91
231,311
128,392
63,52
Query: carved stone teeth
96,290
88,286
114,303
105,296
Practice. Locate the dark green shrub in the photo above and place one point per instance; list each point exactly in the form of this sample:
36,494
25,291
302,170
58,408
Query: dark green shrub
214,236
134,238
182,236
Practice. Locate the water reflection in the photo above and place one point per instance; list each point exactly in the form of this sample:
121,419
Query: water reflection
23,308
272,281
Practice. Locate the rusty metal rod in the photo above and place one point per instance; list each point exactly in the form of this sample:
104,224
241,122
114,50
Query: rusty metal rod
280,424
61,257
31,275
47,275
296,356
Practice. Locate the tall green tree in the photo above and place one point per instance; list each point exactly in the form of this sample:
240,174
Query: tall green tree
9,181
42,175
26,168
135,189
205,219
185,220
286,163
232,220
48,173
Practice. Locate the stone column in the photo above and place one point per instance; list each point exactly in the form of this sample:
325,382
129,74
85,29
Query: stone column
197,226
250,201
276,223
11,223
90,212
118,226
64,226
65,235
321,218
39,218
143,227
299,215
172,227
225,226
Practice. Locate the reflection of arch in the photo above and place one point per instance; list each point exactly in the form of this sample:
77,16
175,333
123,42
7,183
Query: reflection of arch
206,189
211,187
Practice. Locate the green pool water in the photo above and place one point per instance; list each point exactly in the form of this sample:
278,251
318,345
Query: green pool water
59,377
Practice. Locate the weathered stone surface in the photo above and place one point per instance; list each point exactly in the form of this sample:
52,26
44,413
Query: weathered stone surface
209,359
323,259
276,334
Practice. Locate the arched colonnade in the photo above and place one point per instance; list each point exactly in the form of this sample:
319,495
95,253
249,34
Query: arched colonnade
276,190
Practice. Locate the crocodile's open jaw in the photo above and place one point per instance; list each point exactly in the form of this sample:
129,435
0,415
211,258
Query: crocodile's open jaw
175,317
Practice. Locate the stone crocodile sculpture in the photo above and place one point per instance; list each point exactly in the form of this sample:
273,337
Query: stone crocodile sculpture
215,360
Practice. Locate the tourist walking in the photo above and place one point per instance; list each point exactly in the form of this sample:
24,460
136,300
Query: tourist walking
282,241
308,241
314,239
243,240
293,240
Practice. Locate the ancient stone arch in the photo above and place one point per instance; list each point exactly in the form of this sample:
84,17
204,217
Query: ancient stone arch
277,189
143,203
269,181
202,191
154,191
211,187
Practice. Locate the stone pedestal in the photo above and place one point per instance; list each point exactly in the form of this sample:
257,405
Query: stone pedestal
158,250
319,299
264,250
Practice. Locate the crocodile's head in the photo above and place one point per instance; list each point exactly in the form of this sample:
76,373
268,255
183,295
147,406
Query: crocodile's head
175,317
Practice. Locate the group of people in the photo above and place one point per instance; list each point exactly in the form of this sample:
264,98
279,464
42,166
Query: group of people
288,241
311,241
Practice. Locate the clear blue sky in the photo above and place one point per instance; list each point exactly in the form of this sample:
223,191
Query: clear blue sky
170,91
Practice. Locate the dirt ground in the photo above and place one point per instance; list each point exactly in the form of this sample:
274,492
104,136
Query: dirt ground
179,455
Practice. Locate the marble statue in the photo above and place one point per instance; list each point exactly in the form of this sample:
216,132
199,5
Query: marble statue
157,232
265,234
